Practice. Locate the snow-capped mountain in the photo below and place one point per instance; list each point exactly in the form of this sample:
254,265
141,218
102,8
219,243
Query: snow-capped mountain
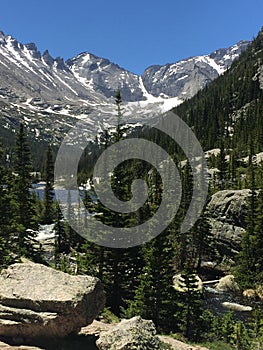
184,78
51,94
105,77
26,74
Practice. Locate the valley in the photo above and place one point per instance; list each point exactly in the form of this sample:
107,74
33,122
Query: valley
214,169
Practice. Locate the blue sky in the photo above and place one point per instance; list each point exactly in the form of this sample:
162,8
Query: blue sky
135,34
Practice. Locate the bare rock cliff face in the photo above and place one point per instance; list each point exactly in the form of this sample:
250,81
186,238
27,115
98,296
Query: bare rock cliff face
227,212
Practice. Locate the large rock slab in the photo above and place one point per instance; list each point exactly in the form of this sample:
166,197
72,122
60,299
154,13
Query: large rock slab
131,334
230,206
38,301
227,212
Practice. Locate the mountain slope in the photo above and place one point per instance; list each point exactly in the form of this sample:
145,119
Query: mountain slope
185,78
50,95
230,109
25,73
105,77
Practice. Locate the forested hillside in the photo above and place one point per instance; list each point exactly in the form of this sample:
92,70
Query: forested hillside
229,110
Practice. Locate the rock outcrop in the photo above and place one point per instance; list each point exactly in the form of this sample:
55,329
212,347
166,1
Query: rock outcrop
230,206
134,333
38,301
227,212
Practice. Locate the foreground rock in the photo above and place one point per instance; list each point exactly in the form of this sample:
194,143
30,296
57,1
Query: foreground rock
4,346
38,301
97,328
134,333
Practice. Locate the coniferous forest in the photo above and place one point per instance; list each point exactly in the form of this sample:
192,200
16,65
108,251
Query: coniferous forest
227,116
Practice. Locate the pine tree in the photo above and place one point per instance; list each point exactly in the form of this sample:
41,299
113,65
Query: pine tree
117,259
256,326
258,239
120,128
190,314
202,243
233,169
155,297
222,165
74,239
187,186
8,226
224,327
48,212
241,338
62,244
26,214
247,258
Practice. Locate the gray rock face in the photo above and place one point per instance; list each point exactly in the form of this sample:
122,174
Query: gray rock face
185,78
227,211
29,74
106,77
131,334
38,301
230,206
260,77
225,57
227,237
182,79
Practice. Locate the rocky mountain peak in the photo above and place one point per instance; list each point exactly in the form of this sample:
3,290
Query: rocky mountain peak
48,59
184,78
60,64
224,57
106,77
2,37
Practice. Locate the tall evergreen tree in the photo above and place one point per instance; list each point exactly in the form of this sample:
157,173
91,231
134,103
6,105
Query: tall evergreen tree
202,244
48,212
190,314
222,166
258,239
247,258
187,187
62,244
155,297
8,227
26,214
